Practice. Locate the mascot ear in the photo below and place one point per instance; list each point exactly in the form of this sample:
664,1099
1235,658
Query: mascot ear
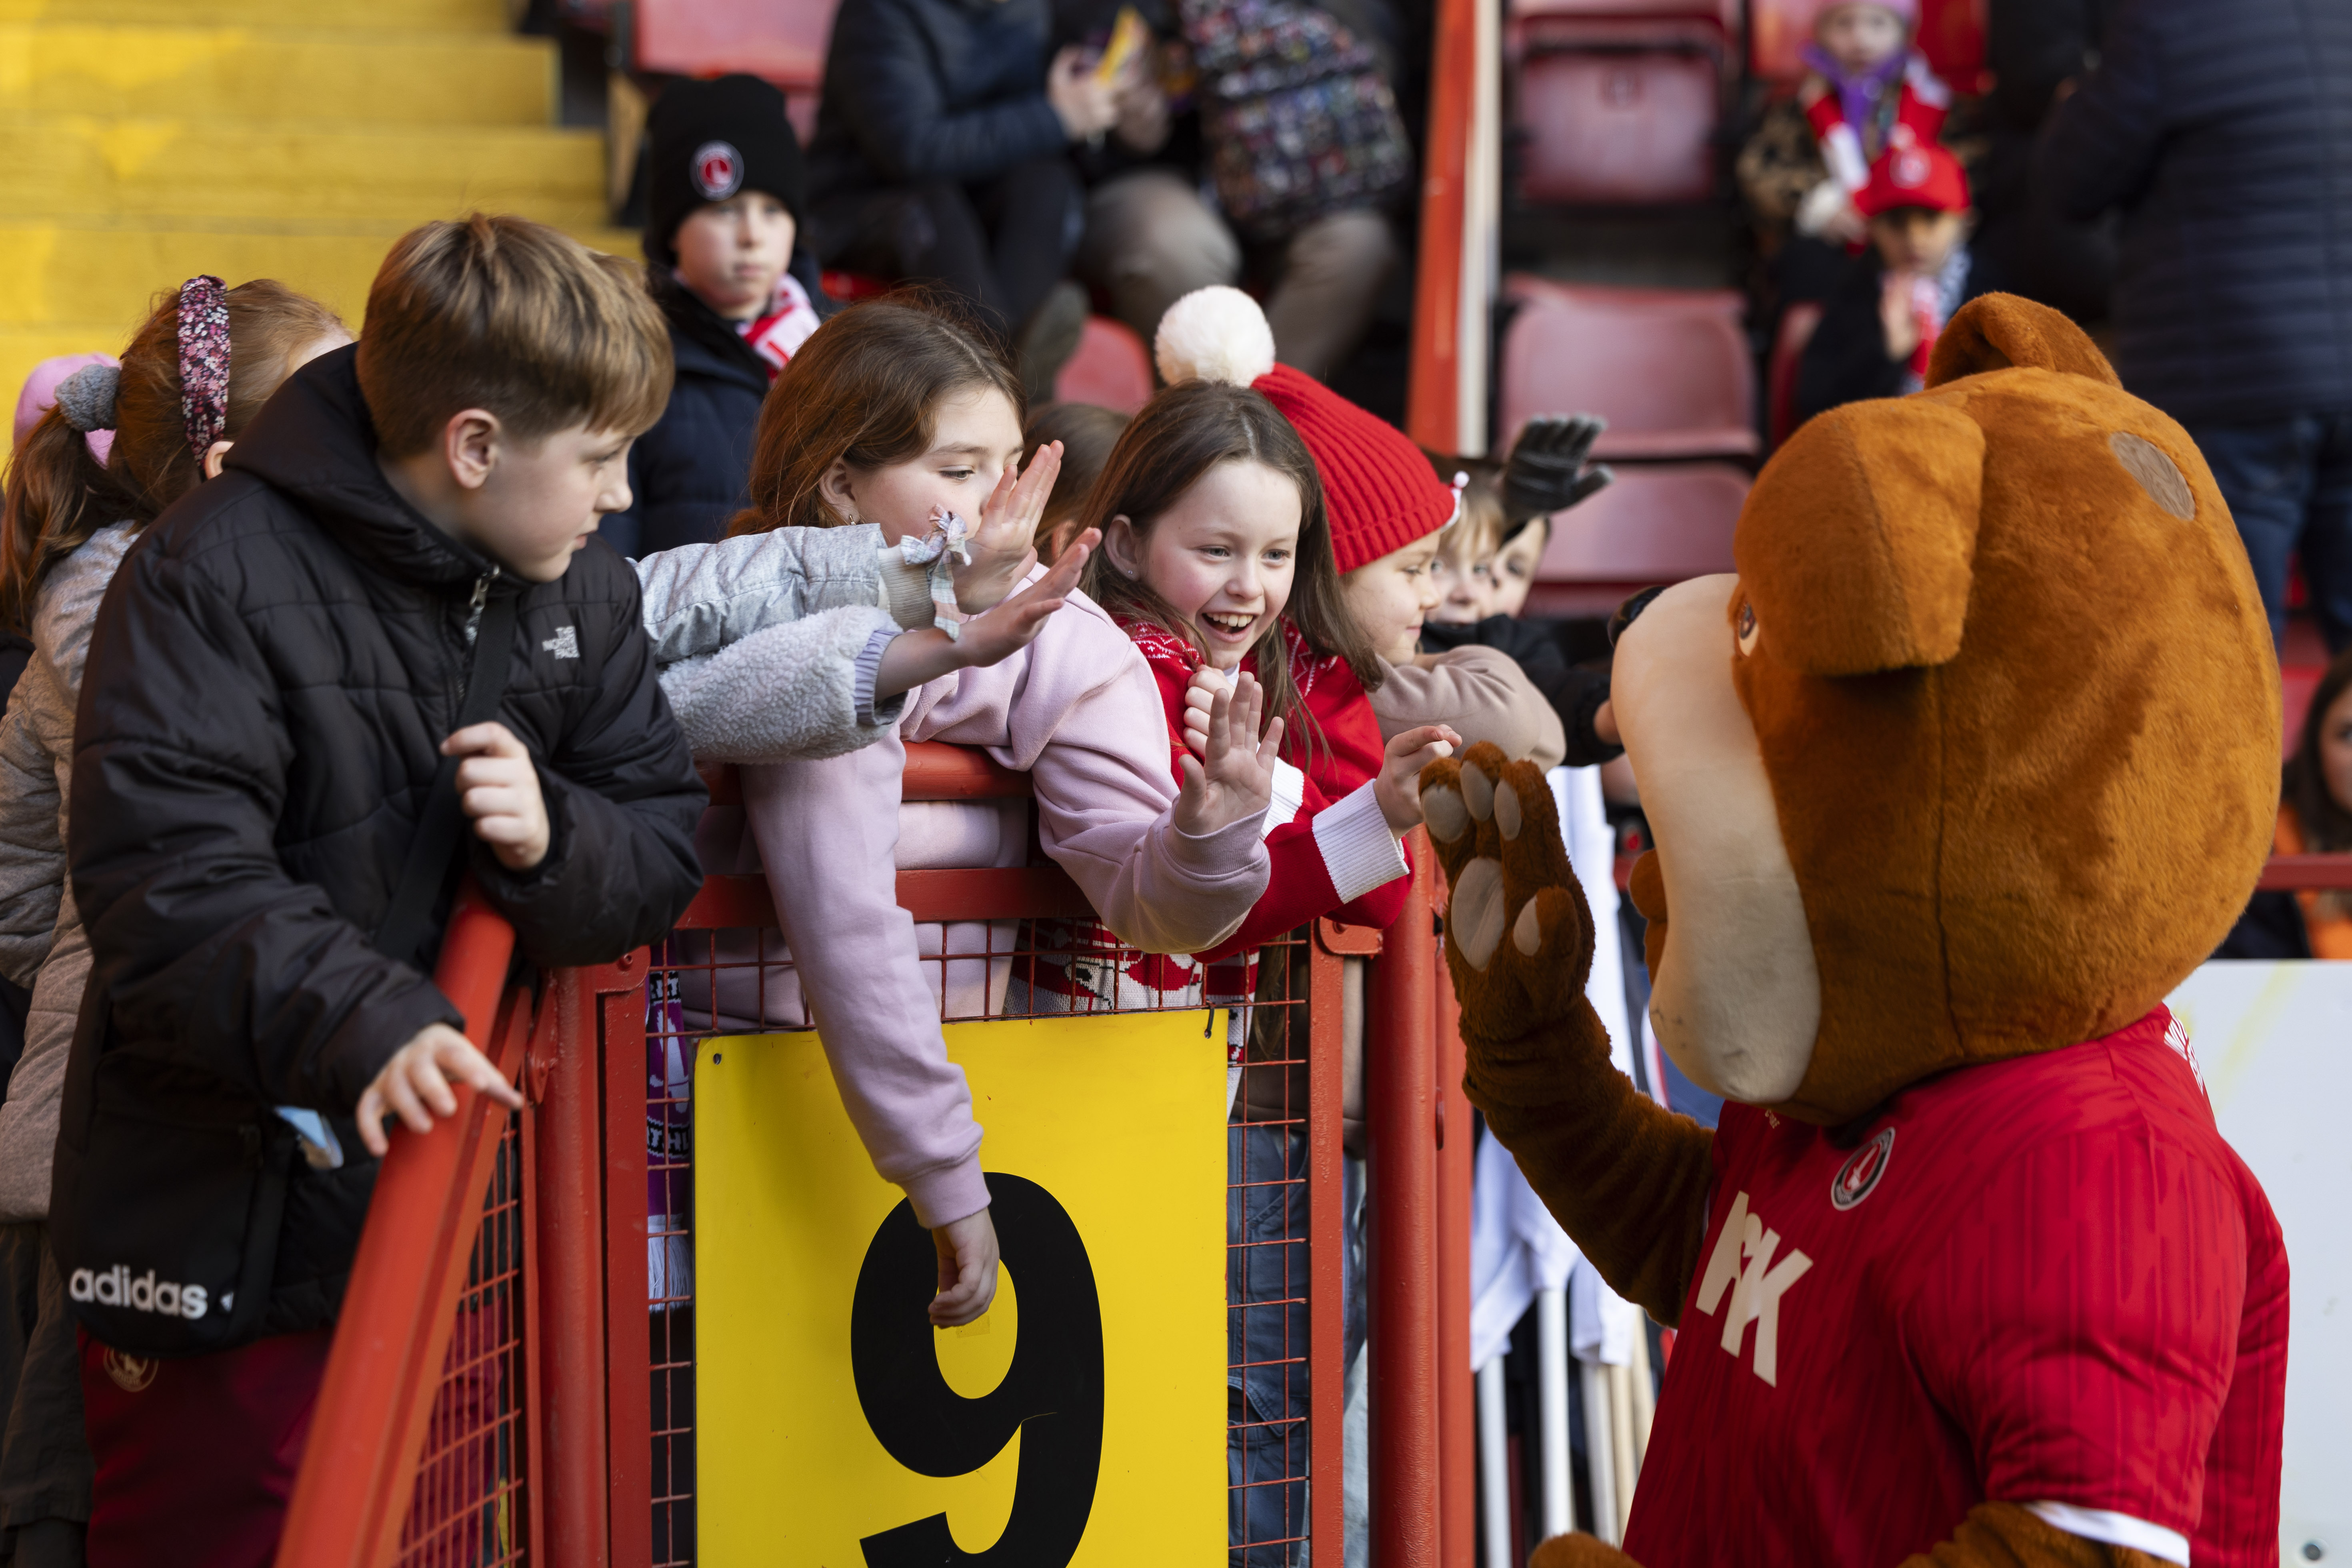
1995,332
1857,544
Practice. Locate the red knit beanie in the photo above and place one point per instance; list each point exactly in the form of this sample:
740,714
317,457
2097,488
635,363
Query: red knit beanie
1381,491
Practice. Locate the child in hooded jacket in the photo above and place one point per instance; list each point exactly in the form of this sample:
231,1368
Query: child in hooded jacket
893,414
71,515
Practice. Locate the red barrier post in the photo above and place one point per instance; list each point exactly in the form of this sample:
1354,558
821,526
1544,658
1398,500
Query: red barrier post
569,1357
1457,1394
1401,1074
1432,397
359,1469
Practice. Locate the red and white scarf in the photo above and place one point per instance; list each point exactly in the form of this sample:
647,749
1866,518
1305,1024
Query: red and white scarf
778,333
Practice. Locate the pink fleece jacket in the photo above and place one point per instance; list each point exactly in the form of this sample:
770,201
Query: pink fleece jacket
1078,711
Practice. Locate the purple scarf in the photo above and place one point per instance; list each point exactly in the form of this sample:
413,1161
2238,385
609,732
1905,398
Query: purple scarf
1859,98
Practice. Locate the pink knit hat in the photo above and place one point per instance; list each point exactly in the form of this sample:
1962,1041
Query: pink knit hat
40,396
1381,493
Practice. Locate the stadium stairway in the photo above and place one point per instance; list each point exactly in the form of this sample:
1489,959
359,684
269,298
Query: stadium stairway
145,140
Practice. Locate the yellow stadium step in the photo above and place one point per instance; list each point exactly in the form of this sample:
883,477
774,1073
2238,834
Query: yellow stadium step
70,290
75,166
264,74
426,16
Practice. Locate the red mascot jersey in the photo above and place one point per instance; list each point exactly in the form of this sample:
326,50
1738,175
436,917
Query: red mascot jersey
2045,1281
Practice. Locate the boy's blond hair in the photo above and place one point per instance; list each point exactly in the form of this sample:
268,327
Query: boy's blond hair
508,315
1476,533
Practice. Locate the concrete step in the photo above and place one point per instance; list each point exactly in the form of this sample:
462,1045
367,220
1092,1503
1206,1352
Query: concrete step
432,15
56,275
141,72
72,167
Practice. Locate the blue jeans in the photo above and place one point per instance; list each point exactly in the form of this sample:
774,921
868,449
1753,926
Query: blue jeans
1265,1343
2289,485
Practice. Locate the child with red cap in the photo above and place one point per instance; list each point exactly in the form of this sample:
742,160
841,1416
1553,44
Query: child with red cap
1866,92
1880,325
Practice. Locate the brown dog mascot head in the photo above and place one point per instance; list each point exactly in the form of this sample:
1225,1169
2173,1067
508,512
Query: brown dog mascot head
1978,753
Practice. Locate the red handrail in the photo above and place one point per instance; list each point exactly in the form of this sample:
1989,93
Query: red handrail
359,1470
1433,396
2305,873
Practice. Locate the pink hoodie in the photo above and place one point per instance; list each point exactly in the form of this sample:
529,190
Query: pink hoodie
1080,712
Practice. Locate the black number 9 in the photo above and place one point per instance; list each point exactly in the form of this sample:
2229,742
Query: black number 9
1052,1394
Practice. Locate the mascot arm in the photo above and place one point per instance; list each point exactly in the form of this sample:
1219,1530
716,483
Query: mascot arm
2010,1535
1626,1178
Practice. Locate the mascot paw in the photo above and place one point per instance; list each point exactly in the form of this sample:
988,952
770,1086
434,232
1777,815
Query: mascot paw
1577,1549
1517,934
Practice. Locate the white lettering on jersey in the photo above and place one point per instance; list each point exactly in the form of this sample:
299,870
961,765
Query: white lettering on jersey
116,1288
1756,1290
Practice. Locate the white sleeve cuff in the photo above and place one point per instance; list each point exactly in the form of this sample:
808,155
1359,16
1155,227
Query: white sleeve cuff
905,590
2113,1530
1289,795
1358,850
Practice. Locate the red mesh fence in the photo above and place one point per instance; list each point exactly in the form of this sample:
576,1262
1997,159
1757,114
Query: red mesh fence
470,1507
728,978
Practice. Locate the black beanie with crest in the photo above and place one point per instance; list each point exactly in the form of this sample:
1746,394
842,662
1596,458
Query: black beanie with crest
710,141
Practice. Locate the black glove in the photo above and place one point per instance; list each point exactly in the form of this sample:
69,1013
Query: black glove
1547,471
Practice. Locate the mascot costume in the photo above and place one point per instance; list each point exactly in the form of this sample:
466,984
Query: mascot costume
1971,762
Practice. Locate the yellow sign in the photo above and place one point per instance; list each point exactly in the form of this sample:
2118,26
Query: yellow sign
1081,1421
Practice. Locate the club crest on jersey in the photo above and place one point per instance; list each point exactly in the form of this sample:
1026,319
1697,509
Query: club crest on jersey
717,170
1858,1177
1744,1262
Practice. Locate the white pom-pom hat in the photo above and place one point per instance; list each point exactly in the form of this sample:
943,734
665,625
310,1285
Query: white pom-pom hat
1213,334
1381,491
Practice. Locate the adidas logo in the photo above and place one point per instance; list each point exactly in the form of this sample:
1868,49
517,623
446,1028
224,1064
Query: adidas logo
115,1288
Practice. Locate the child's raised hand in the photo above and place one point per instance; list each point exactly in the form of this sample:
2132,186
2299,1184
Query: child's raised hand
1233,777
968,1259
497,786
913,657
414,1084
1397,786
1003,542
1200,694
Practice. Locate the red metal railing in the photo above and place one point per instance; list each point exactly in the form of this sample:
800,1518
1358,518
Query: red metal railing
503,1393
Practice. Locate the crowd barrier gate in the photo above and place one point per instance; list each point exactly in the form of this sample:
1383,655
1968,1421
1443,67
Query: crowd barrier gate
502,1391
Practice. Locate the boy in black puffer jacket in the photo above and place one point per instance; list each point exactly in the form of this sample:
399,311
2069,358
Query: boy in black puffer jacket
291,698
724,196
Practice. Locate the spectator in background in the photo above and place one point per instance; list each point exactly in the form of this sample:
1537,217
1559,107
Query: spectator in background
1866,90
942,154
2022,243
1087,433
1306,212
2222,131
1892,300
2315,818
724,195
1546,473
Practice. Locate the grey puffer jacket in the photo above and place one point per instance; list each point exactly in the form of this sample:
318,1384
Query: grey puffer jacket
769,644
41,942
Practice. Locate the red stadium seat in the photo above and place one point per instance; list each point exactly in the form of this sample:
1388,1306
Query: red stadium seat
783,40
1111,368
1657,524
1797,324
1609,128
1669,369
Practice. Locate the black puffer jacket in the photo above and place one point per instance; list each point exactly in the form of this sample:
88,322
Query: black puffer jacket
270,674
2221,130
690,472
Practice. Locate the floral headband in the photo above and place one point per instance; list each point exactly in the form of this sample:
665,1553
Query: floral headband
204,360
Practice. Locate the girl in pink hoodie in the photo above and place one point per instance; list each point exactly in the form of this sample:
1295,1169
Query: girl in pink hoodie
895,416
